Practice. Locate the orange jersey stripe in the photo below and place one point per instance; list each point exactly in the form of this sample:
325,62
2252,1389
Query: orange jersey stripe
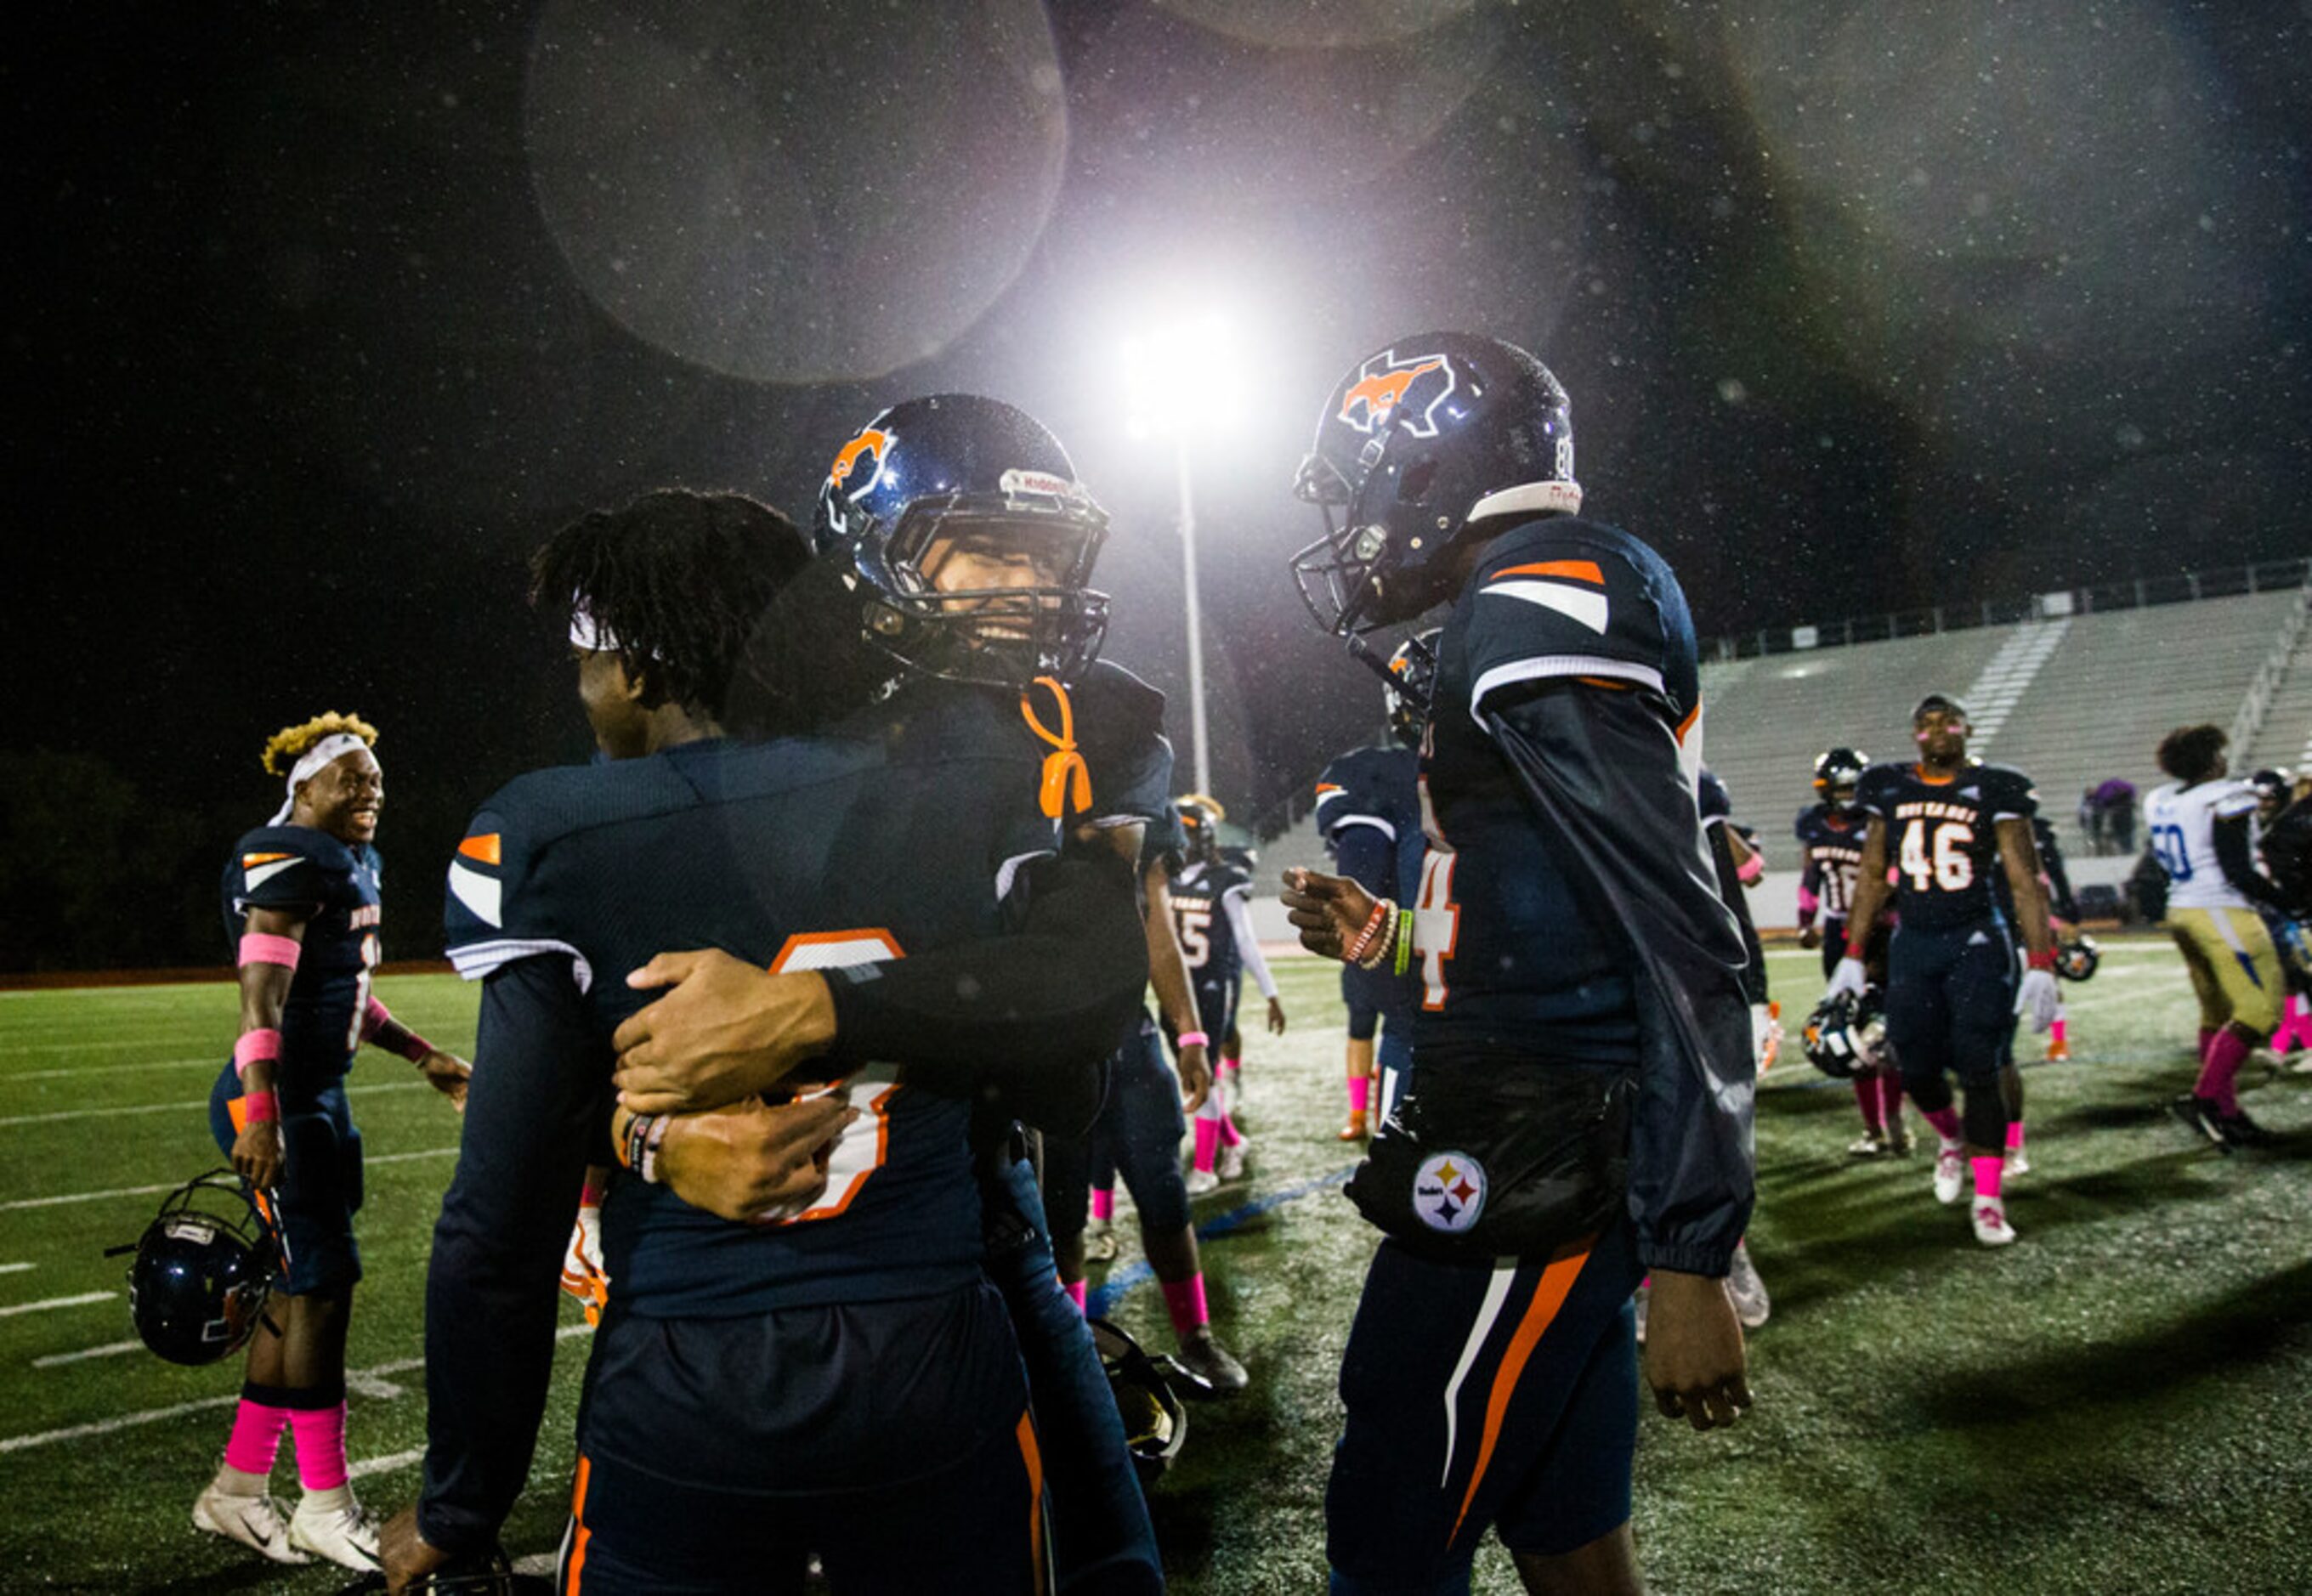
1329,787
250,862
579,1532
1032,1455
1580,571
1548,1296
484,848
1686,725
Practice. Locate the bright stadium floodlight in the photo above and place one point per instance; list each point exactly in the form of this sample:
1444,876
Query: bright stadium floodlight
1182,380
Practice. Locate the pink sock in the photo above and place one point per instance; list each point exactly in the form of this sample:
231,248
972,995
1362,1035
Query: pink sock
2014,1136
1890,1096
1946,1123
1103,1203
1866,1098
2225,1055
1987,1172
256,1439
1360,1093
1208,1142
2058,1031
1076,1294
1229,1134
320,1446
1184,1300
2292,1029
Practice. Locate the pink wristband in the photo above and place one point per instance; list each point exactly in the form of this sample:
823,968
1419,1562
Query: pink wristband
262,947
377,1016
1193,1039
259,1107
590,1195
264,1042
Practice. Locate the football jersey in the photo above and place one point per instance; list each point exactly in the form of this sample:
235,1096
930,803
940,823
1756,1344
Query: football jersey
1199,895
1379,787
1942,837
1508,955
334,886
1830,852
892,834
2182,823
1130,760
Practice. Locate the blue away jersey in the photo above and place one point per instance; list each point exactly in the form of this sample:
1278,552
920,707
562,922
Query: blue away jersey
838,849
1199,894
1377,789
1942,837
1506,951
334,886
1830,852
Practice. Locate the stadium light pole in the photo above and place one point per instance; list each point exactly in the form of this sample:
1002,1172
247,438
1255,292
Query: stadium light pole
1152,384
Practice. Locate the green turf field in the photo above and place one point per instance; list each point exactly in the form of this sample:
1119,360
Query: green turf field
2116,1404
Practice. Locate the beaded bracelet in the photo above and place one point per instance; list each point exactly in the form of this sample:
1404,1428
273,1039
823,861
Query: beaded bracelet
1381,910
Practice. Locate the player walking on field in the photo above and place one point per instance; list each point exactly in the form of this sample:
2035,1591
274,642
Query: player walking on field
2200,832
1579,1110
301,906
1946,824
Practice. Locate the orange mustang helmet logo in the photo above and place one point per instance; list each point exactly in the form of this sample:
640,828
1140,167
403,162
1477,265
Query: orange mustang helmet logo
872,441
1383,383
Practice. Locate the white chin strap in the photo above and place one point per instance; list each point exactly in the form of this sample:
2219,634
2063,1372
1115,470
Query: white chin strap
1530,498
317,758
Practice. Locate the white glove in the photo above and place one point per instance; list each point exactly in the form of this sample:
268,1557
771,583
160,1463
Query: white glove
582,1274
2039,999
1847,978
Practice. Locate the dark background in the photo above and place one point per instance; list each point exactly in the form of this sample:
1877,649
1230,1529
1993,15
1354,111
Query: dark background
322,315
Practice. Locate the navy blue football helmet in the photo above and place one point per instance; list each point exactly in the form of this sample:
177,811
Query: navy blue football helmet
1711,796
1836,771
1431,434
1408,686
203,1269
932,475
1846,1034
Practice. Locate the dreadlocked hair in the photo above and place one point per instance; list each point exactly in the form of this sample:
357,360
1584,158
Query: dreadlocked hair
679,580
2189,752
288,745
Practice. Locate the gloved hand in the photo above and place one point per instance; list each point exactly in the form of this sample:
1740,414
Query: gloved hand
1848,977
583,1274
2038,999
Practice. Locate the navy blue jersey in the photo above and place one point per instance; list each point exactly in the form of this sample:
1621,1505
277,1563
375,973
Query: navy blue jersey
892,835
1200,914
1507,951
1942,837
333,887
1122,719
1830,838
1378,788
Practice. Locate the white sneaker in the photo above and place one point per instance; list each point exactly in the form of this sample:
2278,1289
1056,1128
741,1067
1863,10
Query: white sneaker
1201,1181
2303,1065
1864,1146
1990,1227
346,1535
1748,1292
1100,1241
254,1522
2019,1163
1951,1174
1231,1160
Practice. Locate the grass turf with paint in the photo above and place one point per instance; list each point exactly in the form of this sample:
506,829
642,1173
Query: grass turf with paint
2116,1404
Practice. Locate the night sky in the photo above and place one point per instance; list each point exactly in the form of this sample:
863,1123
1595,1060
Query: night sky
325,315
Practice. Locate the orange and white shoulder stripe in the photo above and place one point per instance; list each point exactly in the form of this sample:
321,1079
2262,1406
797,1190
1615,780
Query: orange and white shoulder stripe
1572,588
257,868
483,894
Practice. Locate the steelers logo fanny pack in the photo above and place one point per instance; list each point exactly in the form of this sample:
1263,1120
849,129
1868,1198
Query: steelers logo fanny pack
1493,1160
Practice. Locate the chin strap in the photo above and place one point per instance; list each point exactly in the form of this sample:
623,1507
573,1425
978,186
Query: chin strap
1067,779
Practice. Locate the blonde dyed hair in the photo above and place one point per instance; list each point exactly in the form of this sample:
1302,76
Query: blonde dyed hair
288,744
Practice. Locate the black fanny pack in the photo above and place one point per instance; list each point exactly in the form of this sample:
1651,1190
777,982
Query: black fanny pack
1497,1160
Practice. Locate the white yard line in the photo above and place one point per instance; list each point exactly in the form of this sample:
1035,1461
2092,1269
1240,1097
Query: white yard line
185,1108
82,1301
105,1427
385,1465
79,1072
50,1202
13,1268
113,1349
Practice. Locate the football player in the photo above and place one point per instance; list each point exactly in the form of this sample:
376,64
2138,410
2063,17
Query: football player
1739,866
2275,792
303,910
1830,833
857,863
1579,1109
1369,814
1212,920
2201,831
1947,823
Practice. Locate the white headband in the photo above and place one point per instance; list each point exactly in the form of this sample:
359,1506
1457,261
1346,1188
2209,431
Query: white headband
319,757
